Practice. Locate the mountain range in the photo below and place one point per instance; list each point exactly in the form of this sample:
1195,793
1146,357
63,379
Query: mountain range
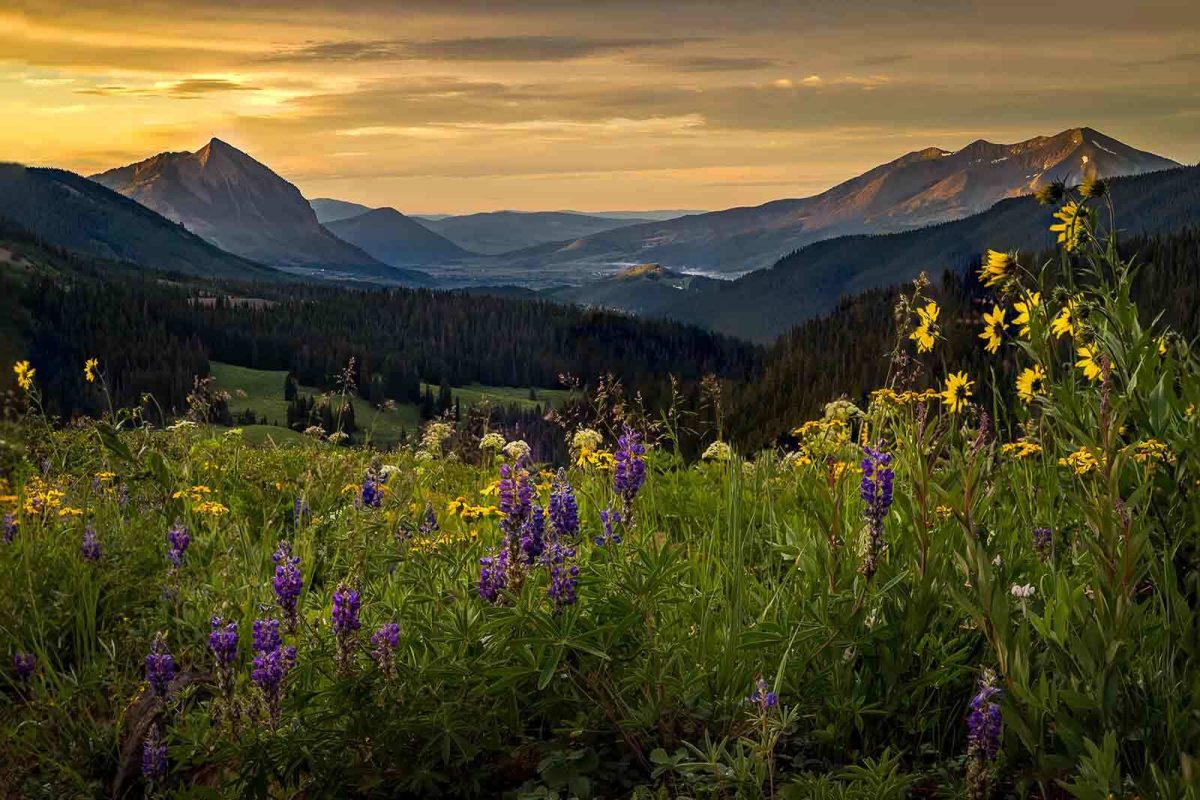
223,195
57,207
395,239
918,189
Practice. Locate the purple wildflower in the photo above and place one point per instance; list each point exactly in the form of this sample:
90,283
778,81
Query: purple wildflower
609,518
372,495
91,545
984,728
1043,541
266,635
763,697
177,541
429,524
876,492
564,581
160,666
24,664
385,641
493,575
300,512
223,641
154,756
563,508
11,526
629,470
346,604
288,582
532,541
269,672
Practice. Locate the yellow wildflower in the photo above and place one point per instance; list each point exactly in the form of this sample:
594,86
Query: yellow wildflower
1030,382
1021,448
1024,309
927,331
957,390
211,508
993,329
1162,345
24,374
90,369
1063,323
1081,461
70,511
1071,219
1087,362
996,267
1151,451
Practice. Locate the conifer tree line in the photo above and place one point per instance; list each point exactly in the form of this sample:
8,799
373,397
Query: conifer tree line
155,334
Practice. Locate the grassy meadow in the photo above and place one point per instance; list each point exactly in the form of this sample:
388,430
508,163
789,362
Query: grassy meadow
937,594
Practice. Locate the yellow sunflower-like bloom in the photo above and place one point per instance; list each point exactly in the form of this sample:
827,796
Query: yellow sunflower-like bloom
1087,362
957,391
1063,323
24,374
90,368
996,267
1071,219
1025,308
1030,382
1021,448
1081,461
993,329
927,330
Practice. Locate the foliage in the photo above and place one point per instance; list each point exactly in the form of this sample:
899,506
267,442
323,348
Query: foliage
969,606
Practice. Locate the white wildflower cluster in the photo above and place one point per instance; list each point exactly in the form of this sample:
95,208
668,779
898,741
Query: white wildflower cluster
337,437
718,451
1022,592
315,431
492,441
435,436
517,450
585,440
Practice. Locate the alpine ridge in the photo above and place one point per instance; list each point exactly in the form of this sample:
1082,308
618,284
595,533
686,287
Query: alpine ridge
920,188
228,198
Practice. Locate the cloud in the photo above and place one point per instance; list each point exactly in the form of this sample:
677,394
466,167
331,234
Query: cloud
884,60
482,48
188,89
710,63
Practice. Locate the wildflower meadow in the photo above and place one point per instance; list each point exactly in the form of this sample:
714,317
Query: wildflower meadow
948,588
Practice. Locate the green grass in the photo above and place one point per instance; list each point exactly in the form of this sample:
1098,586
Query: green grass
261,391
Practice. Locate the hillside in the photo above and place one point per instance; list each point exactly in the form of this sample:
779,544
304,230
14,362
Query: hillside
240,205
395,239
63,209
498,232
328,209
918,189
763,304
647,289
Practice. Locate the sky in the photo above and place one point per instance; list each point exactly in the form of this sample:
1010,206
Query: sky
456,106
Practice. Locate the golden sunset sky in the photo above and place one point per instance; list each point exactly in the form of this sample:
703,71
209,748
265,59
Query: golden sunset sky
463,106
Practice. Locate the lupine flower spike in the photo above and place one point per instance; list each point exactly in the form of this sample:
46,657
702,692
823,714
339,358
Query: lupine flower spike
876,493
90,549
177,544
608,519
384,642
160,667
154,756
629,470
272,662
345,625
288,583
984,728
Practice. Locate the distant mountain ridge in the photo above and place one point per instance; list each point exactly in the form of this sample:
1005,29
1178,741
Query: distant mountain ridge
329,209
61,208
497,232
809,282
395,239
920,188
223,195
